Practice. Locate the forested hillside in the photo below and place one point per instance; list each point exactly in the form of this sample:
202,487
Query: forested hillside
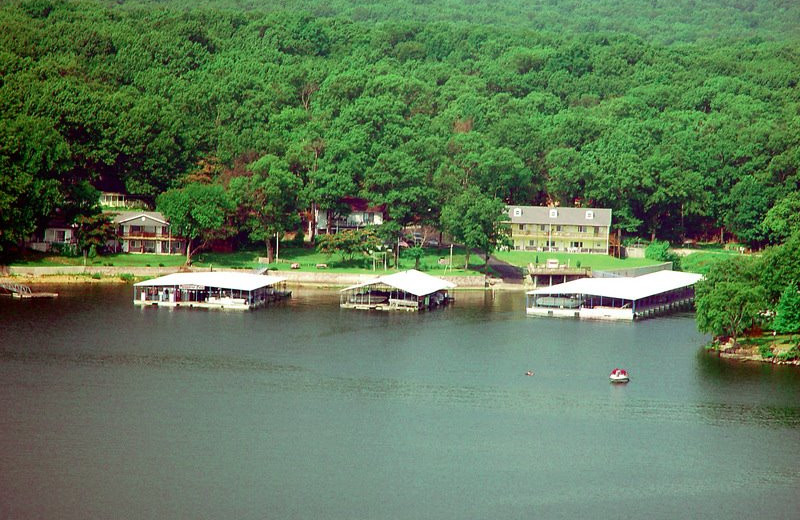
680,140
660,21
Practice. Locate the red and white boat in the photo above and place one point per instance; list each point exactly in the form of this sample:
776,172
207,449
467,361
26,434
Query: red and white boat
619,375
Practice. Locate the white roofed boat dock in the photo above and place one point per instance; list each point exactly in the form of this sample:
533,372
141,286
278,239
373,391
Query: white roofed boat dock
217,290
407,290
623,298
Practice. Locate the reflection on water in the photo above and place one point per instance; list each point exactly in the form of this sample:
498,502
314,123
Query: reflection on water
303,410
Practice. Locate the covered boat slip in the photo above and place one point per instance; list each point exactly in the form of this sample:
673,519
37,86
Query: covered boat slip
408,290
216,290
615,298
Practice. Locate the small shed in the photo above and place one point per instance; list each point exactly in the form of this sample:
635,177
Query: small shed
217,290
407,290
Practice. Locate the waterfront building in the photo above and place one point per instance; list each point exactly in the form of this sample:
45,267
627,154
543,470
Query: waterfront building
216,290
407,290
146,232
623,298
556,229
360,213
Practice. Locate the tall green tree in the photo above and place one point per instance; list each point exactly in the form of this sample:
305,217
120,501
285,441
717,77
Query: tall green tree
477,221
94,232
267,201
731,298
200,213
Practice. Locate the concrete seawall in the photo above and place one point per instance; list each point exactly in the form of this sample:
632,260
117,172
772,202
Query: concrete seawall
321,278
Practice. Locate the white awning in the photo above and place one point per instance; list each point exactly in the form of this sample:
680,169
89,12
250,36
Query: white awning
411,281
216,279
624,288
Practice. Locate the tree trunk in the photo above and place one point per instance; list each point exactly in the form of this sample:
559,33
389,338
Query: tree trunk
313,231
652,236
328,224
466,261
189,251
270,251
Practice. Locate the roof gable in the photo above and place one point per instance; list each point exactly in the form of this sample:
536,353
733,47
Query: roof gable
125,217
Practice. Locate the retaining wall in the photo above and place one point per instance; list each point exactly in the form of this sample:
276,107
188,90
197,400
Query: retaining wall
292,277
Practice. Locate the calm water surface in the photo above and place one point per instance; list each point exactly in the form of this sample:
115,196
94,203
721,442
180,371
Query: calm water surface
304,410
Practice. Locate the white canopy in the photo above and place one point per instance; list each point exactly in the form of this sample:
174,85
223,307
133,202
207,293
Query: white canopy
624,288
217,279
411,281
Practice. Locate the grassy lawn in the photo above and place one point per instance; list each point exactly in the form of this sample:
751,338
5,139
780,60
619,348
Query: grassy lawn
120,259
308,258
596,262
701,261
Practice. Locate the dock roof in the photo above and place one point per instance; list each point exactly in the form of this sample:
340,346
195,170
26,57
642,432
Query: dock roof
218,279
625,288
411,281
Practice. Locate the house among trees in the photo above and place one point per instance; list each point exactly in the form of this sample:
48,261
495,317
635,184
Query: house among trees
555,229
58,236
360,215
146,232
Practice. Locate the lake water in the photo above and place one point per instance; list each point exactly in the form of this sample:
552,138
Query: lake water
303,410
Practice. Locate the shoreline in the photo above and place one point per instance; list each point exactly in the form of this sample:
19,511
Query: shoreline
42,276
749,354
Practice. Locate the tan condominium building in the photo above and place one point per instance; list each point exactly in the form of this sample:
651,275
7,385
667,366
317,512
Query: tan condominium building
555,229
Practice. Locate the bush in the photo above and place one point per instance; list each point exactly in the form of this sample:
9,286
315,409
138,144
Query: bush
64,249
766,351
298,240
659,251
96,276
787,312
790,355
126,277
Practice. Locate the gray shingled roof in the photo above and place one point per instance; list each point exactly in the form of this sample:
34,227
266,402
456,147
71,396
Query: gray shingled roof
125,216
566,216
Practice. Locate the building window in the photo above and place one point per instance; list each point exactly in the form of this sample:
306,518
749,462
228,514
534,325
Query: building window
590,215
522,227
596,230
517,212
542,227
553,213
558,228
576,244
581,229
531,243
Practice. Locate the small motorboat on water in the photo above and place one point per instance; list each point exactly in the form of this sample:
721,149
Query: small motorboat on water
619,375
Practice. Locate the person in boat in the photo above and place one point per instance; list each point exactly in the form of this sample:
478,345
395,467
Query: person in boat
529,373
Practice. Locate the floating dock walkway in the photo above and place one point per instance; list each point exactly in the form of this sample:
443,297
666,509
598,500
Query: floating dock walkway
17,290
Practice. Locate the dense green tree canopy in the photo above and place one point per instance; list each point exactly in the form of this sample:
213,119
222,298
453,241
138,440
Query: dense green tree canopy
685,123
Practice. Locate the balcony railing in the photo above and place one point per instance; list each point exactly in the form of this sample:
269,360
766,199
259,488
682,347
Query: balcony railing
145,235
557,234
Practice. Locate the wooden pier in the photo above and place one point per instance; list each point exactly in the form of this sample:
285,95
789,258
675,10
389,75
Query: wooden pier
18,290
